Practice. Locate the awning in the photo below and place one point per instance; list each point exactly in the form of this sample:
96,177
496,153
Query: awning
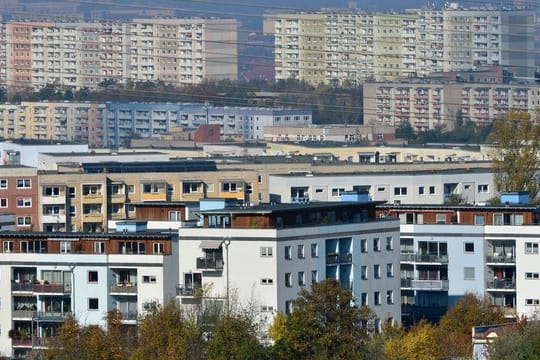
210,244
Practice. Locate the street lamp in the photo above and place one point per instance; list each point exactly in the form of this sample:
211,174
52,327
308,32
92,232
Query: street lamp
227,241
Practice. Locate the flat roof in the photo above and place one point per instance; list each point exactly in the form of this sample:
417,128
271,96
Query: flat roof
83,235
100,154
286,207
390,172
499,207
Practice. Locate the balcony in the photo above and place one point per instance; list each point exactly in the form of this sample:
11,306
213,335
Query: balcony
51,288
123,289
22,342
53,316
129,318
54,219
429,285
425,258
501,259
53,200
502,284
188,291
92,199
92,217
22,314
22,287
214,264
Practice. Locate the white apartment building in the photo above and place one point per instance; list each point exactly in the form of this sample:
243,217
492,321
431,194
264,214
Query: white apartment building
346,47
427,106
49,276
475,186
264,255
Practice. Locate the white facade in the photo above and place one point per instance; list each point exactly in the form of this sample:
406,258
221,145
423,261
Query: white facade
27,152
397,187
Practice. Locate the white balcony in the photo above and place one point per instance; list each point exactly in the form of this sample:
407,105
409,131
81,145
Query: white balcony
54,219
53,200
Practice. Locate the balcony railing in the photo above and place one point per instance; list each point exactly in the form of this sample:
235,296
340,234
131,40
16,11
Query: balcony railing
52,315
338,258
51,288
418,284
204,263
188,291
26,314
124,288
425,258
509,259
130,315
26,342
22,287
502,284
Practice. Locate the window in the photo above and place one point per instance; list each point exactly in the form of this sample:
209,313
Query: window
24,220
131,189
381,189
432,190
300,250
150,188
389,243
266,251
531,248
228,187
468,273
400,191
479,219
149,279
288,253
65,247
364,299
174,215
288,279
99,247
210,188
8,246
531,276
498,219
288,306
24,202
363,272
389,297
390,270
51,191
190,187
469,247
314,276
267,308
3,184
337,191
421,190
363,245
92,276
72,210
440,218
93,304
483,188
301,278
158,248
24,183
314,250
377,271
3,203
377,298
532,302
267,281
71,192
376,244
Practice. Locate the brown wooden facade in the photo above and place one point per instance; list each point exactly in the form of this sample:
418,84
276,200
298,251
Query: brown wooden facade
160,211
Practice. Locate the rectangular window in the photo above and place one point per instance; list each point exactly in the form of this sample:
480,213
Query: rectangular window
288,252
337,191
432,190
131,189
174,216
24,220
421,190
498,219
301,278
483,188
531,248
468,273
149,279
377,298
3,203
92,276
377,271
479,219
314,276
288,307
376,244
389,297
363,272
363,245
93,304
267,281
300,250
99,247
440,218
71,192
364,299
390,270
228,187
158,248
210,188
400,191
288,279
314,250
469,247
65,247
24,183
24,202
531,276
532,302
389,243
266,251
3,184
8,246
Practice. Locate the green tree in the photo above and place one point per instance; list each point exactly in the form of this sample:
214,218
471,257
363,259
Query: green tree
516,153
456,325
325,325
420,342
521,342
67,345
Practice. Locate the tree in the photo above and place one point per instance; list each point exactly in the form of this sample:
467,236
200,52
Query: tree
516,155
325,324
420,342
66,346
520,342
456,325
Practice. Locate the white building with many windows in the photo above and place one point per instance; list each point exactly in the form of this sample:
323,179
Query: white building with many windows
264,255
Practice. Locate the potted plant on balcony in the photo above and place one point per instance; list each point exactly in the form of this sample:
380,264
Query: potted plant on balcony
14,334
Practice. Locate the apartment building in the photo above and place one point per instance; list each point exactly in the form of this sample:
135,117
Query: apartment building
19,195
28,152
49,276
371,134
473,186
428,106
447,251
349,46
266,254
77,55
126,120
